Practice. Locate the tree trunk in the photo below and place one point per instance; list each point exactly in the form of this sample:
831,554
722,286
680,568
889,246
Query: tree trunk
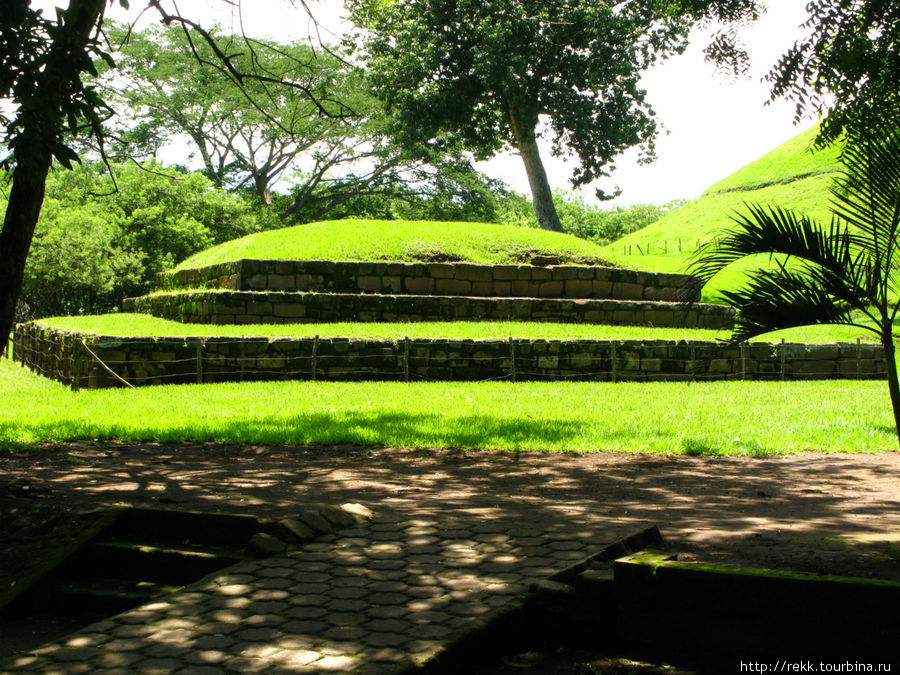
523,128
890,361
39,128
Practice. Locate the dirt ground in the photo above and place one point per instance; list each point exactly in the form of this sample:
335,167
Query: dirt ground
826,514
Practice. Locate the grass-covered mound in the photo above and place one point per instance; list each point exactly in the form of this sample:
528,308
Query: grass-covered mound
791,176
401,240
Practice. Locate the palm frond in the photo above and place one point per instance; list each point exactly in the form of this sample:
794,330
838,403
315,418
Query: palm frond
867,193
777,232
781,298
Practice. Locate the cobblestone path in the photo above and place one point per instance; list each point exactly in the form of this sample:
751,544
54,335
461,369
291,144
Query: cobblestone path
376,598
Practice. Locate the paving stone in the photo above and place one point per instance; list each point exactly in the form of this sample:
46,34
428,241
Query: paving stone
337,664
345,632
345,618
430,631
157,665
256,634
206,656
348,592
347,605
307,612
304,627
214,642
387,611
387,625
313,599
384,639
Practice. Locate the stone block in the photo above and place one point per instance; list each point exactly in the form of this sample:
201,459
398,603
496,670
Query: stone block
289,309
541,274
257,282
601,289
551,289
453,286
483,289
280,282
505,272
259,307
419,285
474,272
563,272
392,284
627,291
548,362
441,271
579,288
371,283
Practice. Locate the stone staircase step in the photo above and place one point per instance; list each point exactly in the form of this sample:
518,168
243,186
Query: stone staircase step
256,307
444,278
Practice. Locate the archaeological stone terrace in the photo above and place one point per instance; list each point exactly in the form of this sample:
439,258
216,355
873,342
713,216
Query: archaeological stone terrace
314,291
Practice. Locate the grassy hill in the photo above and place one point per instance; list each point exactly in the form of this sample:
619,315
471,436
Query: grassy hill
791,176
403,240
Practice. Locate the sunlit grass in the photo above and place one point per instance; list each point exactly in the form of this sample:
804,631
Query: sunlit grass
403,240
143,325
698,418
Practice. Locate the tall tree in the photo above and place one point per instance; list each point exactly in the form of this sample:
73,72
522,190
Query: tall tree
847,68
246,134
487,71
41,65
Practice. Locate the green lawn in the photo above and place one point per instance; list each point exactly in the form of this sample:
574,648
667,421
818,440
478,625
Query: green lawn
790,176
669,418
404,240
143,325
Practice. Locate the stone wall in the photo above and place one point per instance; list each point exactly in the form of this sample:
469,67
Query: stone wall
75,359
468,279
244,307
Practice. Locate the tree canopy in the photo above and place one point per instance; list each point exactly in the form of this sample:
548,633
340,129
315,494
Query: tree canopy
489,72
847,68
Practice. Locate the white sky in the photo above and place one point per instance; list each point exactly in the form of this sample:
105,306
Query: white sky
713,125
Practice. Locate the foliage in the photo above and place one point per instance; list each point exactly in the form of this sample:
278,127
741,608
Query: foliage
824,275
734,418
848,66
94,244
355,239
487,72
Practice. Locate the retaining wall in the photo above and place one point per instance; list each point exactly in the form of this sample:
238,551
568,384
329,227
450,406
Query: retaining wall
469,279
143,360
243,307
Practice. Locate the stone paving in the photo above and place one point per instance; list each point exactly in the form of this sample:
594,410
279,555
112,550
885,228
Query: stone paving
383,596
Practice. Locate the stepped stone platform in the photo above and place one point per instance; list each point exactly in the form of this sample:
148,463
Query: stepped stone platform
93,361
457,279
256,307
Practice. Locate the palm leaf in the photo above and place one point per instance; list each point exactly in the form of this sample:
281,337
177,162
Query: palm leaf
782,298
779,232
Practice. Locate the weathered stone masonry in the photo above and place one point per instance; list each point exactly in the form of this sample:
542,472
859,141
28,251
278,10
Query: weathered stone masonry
143,360
461,279
251,307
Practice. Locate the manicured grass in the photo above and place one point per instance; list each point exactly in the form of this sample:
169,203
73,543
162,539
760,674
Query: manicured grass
790,176
141,325
669,418
788,160
404,240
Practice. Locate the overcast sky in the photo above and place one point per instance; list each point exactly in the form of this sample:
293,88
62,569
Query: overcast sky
713,125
